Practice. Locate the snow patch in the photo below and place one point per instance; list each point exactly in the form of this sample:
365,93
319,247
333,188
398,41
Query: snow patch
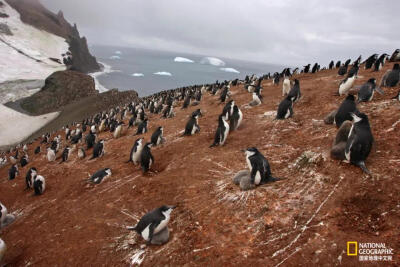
212,61
137,74
37,45
230,70
162,73
16,126
183,60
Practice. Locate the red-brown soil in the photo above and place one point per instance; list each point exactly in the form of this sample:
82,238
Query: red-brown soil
304,220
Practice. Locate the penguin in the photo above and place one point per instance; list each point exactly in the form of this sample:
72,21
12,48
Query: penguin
360,141
354,69
118,130
366,92
395,56
370,61
224,94
391,77
397,97
100,175
222,131
39,184
157,137
331,64
90,140
236,118
81,153
285,86
29,178
339,144
295,92
153,222
65,154
102,126
346,84
5,218
338,64
136,151
186,103
24,160
13,159
285,108
259,168
276,79
315,68
343,69
51,154
146,158
98,150
307,68
13,172
37,150
256,100
227,111
142,128
25,148
192,126
93,128
347,107
3,249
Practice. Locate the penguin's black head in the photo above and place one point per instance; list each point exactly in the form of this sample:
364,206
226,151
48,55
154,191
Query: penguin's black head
165,208
251,151
396,66
359,117
350,97
372,80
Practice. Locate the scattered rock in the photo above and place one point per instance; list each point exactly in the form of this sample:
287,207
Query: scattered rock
4,29
308,158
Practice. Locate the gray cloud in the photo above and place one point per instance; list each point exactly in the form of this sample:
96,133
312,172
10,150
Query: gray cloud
287,32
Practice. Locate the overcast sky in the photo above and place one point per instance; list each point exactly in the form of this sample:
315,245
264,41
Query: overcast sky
284,32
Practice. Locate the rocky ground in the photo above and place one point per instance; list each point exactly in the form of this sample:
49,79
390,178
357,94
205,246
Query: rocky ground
305,219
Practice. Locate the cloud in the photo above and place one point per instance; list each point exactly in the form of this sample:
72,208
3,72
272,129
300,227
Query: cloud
286,32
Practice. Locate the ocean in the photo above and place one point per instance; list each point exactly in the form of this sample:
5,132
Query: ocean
149,71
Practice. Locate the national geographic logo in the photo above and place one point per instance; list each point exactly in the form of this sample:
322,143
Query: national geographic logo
369,251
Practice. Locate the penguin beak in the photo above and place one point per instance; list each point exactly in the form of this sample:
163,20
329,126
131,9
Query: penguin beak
243,150
172,207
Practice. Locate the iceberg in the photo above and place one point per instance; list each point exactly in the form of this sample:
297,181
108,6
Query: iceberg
162,73
118,52
212,61
115,57
137,74
230,70
183,60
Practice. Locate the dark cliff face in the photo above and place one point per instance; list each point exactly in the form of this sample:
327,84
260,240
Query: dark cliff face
34,13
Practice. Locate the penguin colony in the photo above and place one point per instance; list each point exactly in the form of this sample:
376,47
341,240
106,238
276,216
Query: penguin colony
353,142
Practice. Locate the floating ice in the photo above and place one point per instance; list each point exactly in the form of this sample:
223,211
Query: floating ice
115,57
118,52
212,61
230,70
162,73
137,74
183,60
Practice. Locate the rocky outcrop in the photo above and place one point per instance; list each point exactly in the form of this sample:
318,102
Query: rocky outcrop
34,13
60,89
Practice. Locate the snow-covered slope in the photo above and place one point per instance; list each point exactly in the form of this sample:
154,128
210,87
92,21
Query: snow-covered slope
36,48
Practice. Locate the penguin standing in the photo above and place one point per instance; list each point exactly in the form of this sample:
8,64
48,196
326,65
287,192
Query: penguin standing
395,56
227,111
391,77
285,108
81,153
39,184
100,175
366,92
295,93
236,118
343,69
346,84
118,130
37,150
256,100
136,151
98,150
65,154
222,132
142,128
347,107
13,172
157,137
146,158
5,218
51,154
3,249
331,64
153,222
360,141
90,140
286,86
30,176
370,61
260,171
192,126
24,160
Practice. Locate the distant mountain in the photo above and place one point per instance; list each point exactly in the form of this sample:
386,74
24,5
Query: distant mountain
33,13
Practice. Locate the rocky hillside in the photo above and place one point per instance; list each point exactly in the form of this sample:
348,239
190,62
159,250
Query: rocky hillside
305,219
32,12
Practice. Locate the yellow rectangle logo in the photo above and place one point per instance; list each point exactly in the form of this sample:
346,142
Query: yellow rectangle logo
355,248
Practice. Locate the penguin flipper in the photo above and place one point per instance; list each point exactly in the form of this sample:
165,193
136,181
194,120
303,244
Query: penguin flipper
364,168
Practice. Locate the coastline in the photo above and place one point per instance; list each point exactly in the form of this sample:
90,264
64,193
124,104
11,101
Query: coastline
105,69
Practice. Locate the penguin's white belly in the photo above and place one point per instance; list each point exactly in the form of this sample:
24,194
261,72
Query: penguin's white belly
162,225
345,87
240,119
286,87
150,162
146,232
136,156
257,179
287,114
194,129
372,95
225,133
256,99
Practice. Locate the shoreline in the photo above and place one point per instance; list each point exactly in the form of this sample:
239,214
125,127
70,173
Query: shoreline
105,69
